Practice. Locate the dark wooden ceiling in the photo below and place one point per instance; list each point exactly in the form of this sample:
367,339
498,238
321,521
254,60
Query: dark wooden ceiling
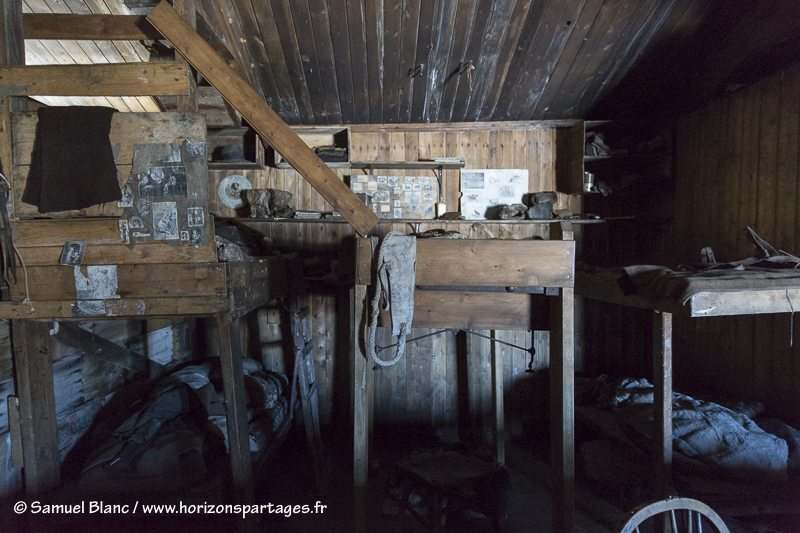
386,61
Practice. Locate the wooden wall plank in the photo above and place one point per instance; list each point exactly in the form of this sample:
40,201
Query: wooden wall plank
339,27
436,68
305,39
421,66
480,24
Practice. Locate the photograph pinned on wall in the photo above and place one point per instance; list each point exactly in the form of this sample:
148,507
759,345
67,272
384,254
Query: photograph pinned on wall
143,206
165,221
164,181
72,253
483,191
124,233
196,237
127,197
195,217
391,197
135,223
184,235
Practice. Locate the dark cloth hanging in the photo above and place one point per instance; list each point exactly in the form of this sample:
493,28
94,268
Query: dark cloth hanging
72,165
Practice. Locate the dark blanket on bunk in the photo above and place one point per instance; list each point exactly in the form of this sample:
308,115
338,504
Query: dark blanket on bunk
72,164
663,283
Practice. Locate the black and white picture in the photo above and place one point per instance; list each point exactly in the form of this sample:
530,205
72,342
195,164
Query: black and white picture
124,234
490,188
184,235
72,253
165,221
163,181
196,237
127,197
195,216
143,206
135,223
99,283
472,180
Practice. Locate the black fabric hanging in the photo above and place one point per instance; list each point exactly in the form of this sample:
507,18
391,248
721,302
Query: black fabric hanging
72,165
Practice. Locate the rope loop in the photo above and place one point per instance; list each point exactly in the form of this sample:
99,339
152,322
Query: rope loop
376,300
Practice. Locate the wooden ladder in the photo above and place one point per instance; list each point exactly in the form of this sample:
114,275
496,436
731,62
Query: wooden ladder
300,321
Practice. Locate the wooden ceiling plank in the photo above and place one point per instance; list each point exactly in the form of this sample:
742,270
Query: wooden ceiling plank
544,56
456,72
479,27
262,118
120,79
516,24
626,40
87,27
408,52
294,63
391,59
340,41
358,59
259,63
683,36
487,62
646,38
436,72
601,37
320,22
232,29
268,33
568,55
304,35
373,26
425,31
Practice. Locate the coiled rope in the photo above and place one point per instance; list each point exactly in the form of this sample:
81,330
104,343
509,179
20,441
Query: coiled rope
376,299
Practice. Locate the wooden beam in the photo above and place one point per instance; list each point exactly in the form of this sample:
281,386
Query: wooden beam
75,27
236,413
495,263
105,349
662,403
118,79
261,117
130,307
34,368
15,431
188,10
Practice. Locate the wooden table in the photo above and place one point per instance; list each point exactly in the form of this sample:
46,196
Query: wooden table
482,263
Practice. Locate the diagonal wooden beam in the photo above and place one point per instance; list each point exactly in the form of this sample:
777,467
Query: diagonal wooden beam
261,117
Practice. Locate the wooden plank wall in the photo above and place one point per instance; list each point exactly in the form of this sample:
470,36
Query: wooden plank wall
736,166
429,385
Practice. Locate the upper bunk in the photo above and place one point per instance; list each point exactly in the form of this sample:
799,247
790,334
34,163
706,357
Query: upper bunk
152,253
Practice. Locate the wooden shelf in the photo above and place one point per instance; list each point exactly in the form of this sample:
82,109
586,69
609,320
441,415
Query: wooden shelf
286,166
216,165
414,221
406,165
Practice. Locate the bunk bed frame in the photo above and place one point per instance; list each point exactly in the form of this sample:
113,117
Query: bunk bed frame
549,264
702,304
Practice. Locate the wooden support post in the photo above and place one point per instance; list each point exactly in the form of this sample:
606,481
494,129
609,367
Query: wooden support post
37,404
360,408
562,400
662,403
187,9
497,393
12,53
236,413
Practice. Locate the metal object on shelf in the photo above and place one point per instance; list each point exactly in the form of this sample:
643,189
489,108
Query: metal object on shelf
230,190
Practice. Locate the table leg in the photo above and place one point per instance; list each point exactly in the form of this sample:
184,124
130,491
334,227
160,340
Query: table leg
662,402
562,400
